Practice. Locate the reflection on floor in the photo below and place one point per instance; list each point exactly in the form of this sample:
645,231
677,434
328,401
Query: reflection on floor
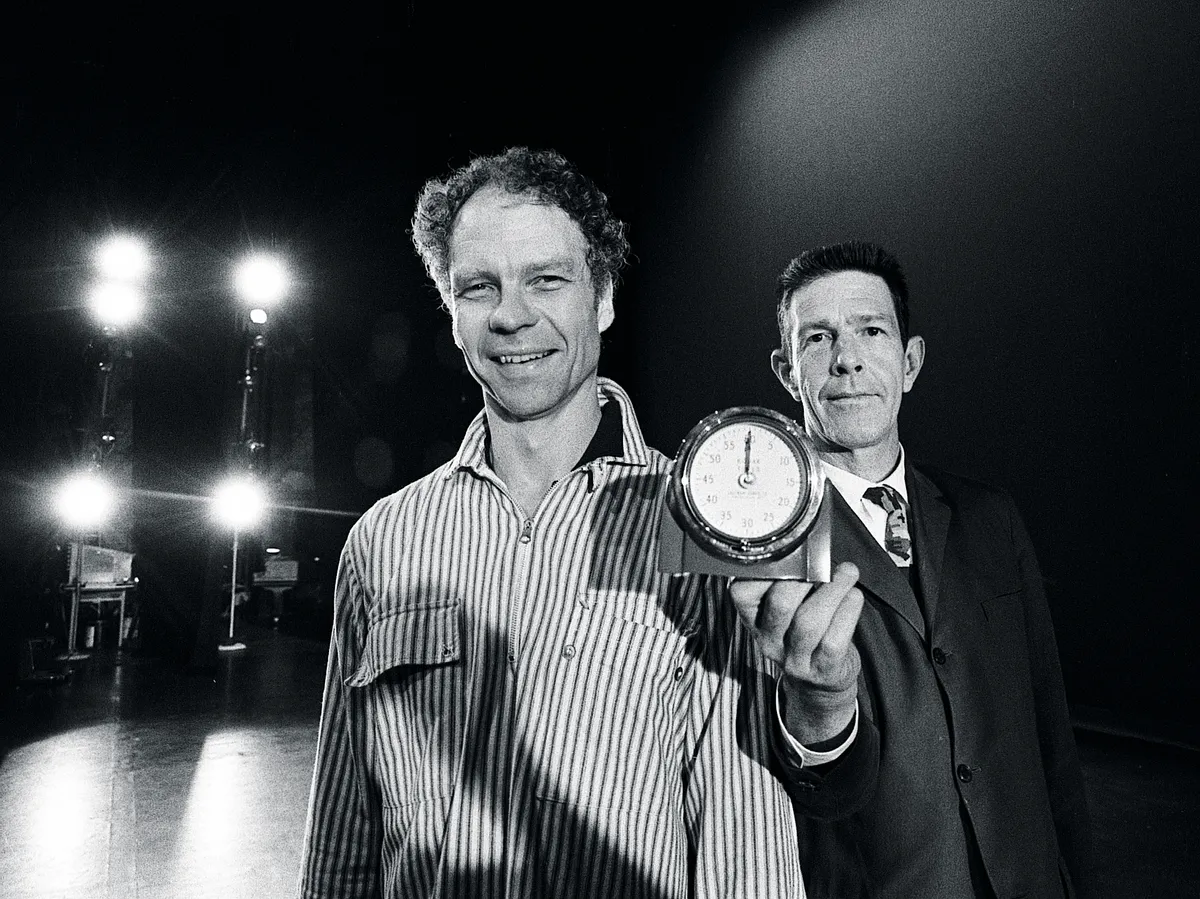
138,780
133,779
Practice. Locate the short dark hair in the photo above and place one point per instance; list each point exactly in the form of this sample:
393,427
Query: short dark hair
541,174
852,255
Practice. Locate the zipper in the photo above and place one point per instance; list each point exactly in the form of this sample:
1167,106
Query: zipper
520,586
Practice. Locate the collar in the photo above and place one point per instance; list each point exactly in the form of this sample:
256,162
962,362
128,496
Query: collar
852,487
618,437
609,439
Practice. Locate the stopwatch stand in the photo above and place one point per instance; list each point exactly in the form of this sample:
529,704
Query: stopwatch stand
679,553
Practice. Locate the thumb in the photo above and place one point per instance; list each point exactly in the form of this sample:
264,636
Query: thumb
747,591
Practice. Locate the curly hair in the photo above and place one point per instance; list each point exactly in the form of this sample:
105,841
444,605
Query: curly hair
540,174
853,255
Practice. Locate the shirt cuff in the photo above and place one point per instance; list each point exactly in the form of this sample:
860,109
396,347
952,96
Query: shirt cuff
809,757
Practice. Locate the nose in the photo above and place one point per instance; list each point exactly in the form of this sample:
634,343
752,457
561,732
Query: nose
845,359
512,312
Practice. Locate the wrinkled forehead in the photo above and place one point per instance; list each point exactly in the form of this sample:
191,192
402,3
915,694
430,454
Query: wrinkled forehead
497,221
840,298
498,234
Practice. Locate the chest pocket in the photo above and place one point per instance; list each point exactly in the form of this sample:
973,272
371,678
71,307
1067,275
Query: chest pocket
1002,602
410,676
637,616
609,739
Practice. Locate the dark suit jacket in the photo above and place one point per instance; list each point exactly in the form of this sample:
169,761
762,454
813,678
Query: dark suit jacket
964,768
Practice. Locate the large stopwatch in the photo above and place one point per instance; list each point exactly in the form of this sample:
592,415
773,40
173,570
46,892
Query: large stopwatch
747,488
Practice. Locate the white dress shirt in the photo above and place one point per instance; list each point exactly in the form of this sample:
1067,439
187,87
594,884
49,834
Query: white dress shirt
852,488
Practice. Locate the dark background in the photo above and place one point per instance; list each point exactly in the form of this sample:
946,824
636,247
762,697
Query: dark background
1030,163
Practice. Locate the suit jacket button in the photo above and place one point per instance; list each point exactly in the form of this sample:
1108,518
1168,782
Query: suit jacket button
965,774
939,656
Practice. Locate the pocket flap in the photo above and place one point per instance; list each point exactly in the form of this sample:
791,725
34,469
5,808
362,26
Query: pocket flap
426,635
1003,605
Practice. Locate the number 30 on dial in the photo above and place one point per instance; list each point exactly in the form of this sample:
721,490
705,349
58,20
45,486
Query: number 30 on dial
746,484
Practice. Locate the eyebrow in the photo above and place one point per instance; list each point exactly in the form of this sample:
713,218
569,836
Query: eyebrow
864,318
554,263
569,263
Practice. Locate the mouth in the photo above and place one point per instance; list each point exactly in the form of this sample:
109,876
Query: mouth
520,358
850,397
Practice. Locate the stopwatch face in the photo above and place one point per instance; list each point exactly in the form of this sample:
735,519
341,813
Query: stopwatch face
747,484
745,481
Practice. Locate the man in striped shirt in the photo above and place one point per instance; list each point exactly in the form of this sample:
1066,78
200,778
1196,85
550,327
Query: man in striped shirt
517,703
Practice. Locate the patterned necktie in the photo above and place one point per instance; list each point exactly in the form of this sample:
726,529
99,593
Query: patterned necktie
896,538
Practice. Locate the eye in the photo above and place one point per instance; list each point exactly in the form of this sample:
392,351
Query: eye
816,337
476,290
549,282
874,331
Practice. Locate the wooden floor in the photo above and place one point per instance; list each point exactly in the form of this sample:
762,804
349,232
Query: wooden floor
136,780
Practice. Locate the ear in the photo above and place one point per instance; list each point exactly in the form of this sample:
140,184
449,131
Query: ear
604,305
914,358
782,366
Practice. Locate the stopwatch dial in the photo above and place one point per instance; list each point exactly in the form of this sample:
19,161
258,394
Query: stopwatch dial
746,481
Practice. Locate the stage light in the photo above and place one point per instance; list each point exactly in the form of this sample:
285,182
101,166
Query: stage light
261,280
272,550
85,500
123,258
258,316
239,502
115,305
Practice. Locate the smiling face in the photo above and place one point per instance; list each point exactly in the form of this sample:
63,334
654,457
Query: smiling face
526,314
846,365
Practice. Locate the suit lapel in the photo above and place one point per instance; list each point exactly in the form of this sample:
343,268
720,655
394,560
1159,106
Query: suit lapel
877,572
931,518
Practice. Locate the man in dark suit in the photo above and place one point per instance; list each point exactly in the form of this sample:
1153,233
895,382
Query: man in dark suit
926,734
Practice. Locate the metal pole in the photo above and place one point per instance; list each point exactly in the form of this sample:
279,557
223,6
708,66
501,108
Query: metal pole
76,575
233,584
232,644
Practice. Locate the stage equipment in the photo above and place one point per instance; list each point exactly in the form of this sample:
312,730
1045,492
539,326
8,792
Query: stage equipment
259,281
96,575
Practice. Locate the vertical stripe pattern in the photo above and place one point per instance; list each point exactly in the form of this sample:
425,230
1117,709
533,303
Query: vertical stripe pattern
526,707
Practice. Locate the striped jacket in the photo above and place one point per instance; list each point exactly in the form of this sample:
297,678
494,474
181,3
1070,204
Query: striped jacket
526,707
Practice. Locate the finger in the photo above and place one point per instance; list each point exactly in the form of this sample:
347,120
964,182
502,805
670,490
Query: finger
767,607
748,590
845,573
825,599
747,594
779,606
842,624
808,628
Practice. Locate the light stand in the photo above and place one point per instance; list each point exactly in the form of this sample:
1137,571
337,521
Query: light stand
122,263
259,280
88,504
243,503
230,644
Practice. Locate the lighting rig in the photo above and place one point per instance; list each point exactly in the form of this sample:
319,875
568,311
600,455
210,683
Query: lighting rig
240,502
